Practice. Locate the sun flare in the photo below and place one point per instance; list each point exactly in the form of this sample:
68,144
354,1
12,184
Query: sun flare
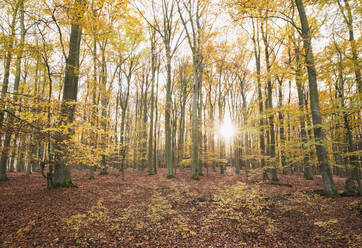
227,129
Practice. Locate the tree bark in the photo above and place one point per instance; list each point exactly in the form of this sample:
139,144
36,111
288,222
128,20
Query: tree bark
153,74
319,135
271,147
62,171
307,172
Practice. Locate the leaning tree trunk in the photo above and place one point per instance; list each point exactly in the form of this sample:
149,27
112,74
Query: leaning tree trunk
319,135
62,173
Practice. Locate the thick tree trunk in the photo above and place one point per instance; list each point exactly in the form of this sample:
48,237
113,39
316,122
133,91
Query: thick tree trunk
319,135
62,172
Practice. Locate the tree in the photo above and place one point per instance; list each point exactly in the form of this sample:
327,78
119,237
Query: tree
192,25
166,28
319,135
4,90
62,171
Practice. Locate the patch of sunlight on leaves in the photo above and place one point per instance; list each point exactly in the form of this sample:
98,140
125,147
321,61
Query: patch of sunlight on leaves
182,227
329,234
307,201
161,209
78,224
357,241
326,223
242,205
239,197
271,229
26,229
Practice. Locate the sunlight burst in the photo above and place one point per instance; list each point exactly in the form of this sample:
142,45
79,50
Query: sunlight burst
227,129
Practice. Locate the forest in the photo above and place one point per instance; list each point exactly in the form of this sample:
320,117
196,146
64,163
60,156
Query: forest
180,123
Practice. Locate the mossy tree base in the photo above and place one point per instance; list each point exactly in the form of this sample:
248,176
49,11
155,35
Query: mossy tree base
3,178
63,185
170,176
195,178
308,177
275,179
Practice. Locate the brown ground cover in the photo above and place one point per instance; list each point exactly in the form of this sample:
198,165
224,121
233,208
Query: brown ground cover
152,211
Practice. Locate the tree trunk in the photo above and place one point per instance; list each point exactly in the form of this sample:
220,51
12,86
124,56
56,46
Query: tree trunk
195,122
150,135
62,172
168,140
319,135
260,96
355,173
281,128
348,18
270,104
4,90
307,172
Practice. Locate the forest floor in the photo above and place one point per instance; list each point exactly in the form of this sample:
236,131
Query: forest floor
152,211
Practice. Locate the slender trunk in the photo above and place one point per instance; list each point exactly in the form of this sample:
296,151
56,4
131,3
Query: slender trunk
195,123
260,96
221,105
9,131
281,128
150,135
183,99
348,18
168,141
94,101
104,138
298,79
355,175
155,162
271,147
212,129
200,104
